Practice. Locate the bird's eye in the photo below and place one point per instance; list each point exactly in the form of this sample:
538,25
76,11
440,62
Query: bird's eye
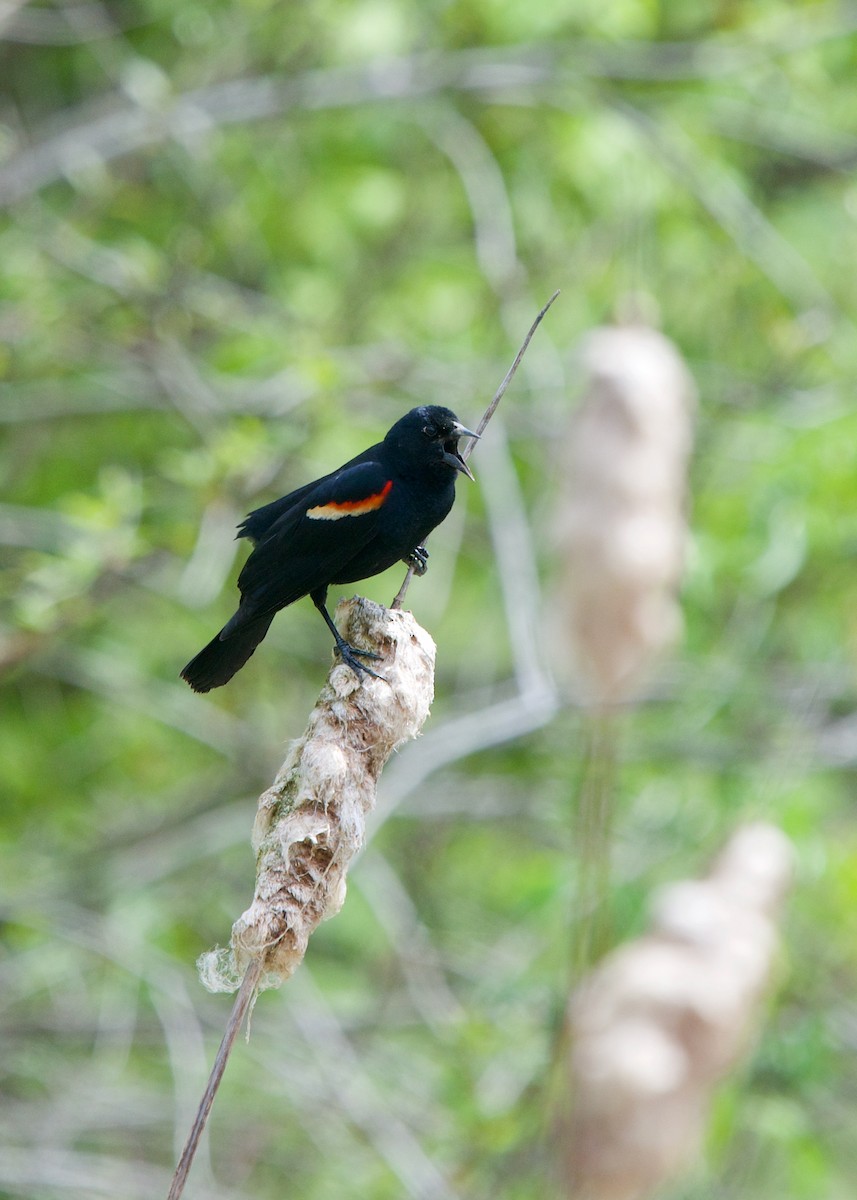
429,431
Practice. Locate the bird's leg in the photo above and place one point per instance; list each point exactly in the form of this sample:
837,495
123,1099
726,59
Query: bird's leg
418,560
348,654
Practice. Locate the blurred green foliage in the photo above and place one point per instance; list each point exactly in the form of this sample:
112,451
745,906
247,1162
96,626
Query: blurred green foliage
237,241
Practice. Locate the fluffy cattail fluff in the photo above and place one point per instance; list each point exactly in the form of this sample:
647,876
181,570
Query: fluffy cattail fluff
663,1018
621,520
311,822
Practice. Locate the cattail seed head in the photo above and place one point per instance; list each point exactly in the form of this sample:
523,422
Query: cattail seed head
662,1019
621,525
311,822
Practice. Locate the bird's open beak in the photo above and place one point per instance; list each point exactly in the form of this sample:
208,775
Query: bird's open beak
455,460
451,453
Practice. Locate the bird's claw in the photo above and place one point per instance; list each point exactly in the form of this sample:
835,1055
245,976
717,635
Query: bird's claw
417,560
363,653
351,656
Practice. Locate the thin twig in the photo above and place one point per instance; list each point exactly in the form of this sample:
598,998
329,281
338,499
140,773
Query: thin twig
236,1019
486,417
498,395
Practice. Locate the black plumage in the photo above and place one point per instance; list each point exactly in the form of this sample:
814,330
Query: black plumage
373,511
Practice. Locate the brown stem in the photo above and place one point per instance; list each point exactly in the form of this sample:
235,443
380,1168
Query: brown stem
400,594
507,379
243,1000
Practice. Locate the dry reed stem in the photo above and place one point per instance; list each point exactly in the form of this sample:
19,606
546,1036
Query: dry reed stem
665,1017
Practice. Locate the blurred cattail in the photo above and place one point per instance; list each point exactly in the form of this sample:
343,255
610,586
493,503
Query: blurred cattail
621,523
662,1019
311,822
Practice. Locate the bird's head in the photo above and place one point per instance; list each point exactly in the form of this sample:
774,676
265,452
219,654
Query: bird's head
427,437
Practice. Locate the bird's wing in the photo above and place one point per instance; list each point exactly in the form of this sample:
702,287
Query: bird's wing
313,540
258,524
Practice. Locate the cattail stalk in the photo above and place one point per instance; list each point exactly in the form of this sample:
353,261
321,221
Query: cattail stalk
621,530
311,822
593,838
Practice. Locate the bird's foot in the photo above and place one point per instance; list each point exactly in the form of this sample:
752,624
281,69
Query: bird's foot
351,656
362,653
417,560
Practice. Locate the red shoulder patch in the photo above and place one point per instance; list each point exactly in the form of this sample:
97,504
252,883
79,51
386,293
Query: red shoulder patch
336,509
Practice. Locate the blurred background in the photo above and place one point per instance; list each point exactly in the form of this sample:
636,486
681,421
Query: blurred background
237,241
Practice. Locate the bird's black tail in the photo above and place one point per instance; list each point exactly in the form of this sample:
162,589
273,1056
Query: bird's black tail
217,662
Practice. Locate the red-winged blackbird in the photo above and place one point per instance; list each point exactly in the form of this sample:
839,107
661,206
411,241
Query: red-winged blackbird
375,510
